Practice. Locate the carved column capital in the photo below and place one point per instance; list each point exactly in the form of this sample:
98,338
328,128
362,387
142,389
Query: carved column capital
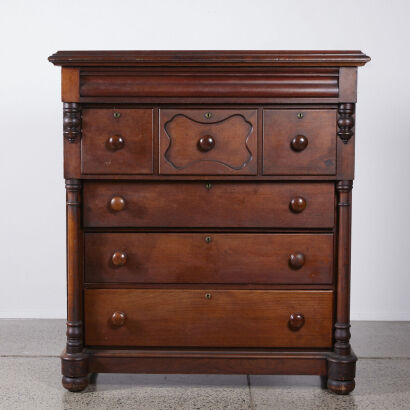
73,189
345,121
72,122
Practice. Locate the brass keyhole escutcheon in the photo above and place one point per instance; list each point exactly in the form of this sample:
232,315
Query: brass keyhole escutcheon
208,296
117,114
208,115
208,186
208,239
300,115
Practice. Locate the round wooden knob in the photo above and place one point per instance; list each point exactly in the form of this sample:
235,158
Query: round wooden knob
296,260
115,142
118,318
297,204
119,258
299,143
206,143
296,321
117,203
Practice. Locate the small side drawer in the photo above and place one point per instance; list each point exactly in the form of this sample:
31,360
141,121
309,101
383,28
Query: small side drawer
299,142
116,141
209,205
208,142
208,258
208,318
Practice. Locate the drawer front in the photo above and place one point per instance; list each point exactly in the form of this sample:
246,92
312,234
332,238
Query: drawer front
208,258
208,142
198,204
299,142
116,141
208,318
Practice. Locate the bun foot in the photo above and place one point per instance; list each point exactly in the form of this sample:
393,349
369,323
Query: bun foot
341,386
75,384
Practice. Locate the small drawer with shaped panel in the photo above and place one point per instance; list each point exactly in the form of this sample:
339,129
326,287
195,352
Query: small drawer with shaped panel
299,142
208,318
208,258
208,142
116,141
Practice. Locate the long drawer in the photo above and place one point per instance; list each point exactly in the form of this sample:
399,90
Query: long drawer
198,204
208,318
208,258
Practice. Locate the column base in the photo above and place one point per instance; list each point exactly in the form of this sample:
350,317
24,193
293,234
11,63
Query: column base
341,373
74,367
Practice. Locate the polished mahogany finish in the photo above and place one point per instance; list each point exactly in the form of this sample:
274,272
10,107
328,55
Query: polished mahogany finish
119,258
296,321
209,212
296,260
193,204
117,141
298,204
225,318
118,319
117,203
188,58
208,142
299,142
208,258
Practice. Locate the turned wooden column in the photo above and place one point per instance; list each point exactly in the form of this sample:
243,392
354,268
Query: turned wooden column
341,364
342,325
74,361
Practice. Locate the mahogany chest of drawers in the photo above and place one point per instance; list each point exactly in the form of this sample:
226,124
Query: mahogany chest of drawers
209,212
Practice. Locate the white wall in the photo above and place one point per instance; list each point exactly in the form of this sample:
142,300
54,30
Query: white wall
32,205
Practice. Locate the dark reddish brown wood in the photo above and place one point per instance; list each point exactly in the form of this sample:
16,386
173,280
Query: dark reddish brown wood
296,321
72,127
297,204
284,154
238,205
118,258
225,58
74,360
117,203
225,258
70,84
118,319
228,147
117,141
299,143
208,85
342,363
348,84
188,232
206,143
228,318
344,191
297,260
233,361
72,159
345,122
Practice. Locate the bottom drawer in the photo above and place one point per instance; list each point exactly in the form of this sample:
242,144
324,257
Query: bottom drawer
208,318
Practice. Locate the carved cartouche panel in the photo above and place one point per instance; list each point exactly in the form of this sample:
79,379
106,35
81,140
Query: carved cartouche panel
208,142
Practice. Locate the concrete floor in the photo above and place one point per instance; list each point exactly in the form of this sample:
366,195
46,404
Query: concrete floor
30,377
